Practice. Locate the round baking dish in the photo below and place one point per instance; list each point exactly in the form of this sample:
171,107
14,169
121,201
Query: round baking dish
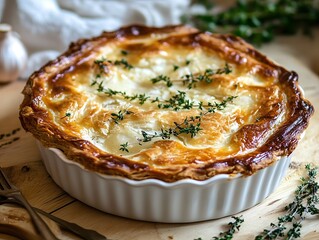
157,201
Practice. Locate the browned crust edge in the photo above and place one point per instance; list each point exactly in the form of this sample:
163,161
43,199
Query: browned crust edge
281,143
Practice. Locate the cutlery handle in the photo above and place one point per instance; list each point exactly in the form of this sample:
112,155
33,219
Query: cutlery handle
86,234
40,225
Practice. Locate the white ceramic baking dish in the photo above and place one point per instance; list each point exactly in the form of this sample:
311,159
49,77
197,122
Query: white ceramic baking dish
157,201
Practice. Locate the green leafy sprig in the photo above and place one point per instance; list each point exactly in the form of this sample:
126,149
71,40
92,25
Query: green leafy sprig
305,203
124,147
260,21
190,125
101,63
191,80
117,117
162,78
233,227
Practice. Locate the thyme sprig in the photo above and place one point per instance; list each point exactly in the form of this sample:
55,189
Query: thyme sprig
122,62
124,147
162,78
191,79
117,117
176,102
305,202
190,126
101,63
260,21
233,227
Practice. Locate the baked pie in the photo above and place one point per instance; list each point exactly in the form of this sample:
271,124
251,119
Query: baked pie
166,103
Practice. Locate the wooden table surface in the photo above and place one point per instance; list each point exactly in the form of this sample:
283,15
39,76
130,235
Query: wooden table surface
23,165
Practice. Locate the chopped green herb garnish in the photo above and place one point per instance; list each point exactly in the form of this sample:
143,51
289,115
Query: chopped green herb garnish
233,227
175,67
101,63
177,102
124,147
162,78
124,52
122,62
190,125
191,80
259,21
120,115
305,203
66,115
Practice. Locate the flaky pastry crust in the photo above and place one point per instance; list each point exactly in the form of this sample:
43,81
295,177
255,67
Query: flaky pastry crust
83,104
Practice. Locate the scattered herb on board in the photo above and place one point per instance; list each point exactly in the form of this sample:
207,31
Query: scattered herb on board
5,137
258,21
233,227
288,226
305,203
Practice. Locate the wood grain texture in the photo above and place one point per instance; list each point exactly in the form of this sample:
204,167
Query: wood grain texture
23,166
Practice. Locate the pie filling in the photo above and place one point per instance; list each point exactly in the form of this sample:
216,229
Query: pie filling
167,103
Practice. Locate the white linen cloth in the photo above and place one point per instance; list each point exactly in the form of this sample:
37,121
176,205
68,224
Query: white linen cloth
47,27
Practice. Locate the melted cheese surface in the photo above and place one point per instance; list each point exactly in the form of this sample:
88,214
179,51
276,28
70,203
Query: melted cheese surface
79,103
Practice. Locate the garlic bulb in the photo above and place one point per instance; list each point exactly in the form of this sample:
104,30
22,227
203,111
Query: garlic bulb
13,55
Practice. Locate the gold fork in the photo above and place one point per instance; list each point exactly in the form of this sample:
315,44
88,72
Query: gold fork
8,190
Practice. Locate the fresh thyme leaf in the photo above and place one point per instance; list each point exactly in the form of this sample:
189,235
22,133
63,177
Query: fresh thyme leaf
260,21
177,102
190,125
175,67
101,63
191,80
187,62
233,227
305,203
124,147
122,62
120,115
66,115
162,78
124,52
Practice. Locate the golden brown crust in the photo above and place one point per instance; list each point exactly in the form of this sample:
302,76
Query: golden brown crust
280,113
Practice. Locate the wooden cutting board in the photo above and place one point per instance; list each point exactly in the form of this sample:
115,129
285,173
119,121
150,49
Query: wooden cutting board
24,167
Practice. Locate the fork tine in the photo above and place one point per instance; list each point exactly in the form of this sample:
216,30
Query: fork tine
11,192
